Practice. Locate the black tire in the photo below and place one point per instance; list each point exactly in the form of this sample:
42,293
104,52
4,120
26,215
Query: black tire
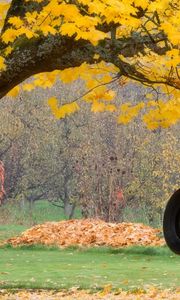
171,223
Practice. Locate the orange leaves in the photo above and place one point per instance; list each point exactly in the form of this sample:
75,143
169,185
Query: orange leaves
89,232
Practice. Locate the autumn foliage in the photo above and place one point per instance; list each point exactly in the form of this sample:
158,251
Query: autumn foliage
100,42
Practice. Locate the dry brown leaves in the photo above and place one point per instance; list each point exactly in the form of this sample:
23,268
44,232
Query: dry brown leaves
152,293
89,232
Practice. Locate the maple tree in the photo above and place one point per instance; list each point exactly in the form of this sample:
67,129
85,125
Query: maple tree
100,42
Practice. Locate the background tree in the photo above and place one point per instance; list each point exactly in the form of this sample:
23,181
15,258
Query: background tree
88,161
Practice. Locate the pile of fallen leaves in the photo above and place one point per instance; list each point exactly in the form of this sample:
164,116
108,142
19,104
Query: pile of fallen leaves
152,293
89,232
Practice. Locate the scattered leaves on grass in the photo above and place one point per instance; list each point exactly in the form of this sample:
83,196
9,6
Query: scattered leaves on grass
139,294
89,232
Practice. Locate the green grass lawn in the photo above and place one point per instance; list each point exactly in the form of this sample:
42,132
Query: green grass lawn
8,231
42,267
131,268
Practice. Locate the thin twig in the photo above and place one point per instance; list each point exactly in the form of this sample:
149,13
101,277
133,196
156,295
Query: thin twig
99,85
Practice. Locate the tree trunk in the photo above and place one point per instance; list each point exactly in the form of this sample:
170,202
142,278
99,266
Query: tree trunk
69,209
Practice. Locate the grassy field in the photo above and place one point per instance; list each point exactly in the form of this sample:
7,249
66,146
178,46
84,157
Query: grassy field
131,268
42,267
7,231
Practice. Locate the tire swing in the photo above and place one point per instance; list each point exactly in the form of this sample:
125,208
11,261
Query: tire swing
171,223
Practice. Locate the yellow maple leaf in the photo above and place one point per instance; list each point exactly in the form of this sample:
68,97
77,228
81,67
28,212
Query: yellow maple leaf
64,110
97,107
14,92
2,63
16,21
52,102
28,87
109,95
9,35
8,50
46,29
111,108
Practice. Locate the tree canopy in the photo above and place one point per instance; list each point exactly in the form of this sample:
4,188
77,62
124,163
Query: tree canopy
100,41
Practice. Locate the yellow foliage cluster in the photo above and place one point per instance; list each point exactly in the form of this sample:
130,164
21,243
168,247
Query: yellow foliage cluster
128,112
2,63
158,113
83,20
163,115
64,110
4,5
60,17
95,77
